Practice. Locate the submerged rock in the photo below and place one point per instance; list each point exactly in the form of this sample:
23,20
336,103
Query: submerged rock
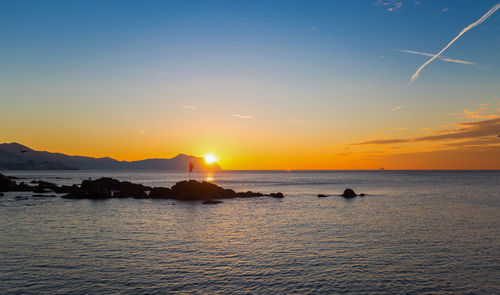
322,196
348,193
211,202
249,194
44,185
277,195
43,196
40,190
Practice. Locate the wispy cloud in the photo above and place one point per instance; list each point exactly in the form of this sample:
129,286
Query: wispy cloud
314,28
445,9
476,23
158,72
242,116
390,5
401,128
143,131
464,131
478,115
396,108
443,58
188,106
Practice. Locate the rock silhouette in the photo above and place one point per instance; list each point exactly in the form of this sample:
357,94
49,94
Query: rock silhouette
277,195
159,193
348,193
105,188
192,190
211,202
322,196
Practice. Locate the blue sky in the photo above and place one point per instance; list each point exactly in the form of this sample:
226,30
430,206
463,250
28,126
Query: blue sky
321,63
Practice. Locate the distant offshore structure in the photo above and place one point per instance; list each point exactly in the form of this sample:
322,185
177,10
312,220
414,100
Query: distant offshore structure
381,168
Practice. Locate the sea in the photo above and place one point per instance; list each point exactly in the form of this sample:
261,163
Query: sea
415,232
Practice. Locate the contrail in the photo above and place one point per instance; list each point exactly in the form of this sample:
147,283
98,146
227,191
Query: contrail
476,23
443,58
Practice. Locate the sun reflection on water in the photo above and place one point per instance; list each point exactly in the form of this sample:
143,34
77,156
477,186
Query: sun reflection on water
209,177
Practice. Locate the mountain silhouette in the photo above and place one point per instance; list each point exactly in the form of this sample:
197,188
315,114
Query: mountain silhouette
15,156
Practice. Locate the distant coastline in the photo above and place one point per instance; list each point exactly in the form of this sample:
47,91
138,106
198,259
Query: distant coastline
15,156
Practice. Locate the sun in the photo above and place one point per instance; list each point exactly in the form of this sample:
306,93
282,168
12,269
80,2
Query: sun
210,158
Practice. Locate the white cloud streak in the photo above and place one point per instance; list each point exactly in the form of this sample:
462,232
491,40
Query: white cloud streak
397,108
476,23
242,116
158,72
188,107
443,58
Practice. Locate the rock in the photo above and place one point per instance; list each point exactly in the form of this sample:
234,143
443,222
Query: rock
134,193
194,190
160,193
106,187
249,194
1,194
40,190
322,196
211,202
362,195
277,195
6,184
45,185
43,196
348,193
64,189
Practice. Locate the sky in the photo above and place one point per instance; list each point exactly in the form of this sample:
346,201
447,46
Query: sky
260,84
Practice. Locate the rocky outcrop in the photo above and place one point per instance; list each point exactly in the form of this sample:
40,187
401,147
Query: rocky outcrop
322,196
105,188
194,190
277,195
6,184
160,193
249,194
348,193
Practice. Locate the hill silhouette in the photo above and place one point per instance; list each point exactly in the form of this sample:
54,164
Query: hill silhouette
15,156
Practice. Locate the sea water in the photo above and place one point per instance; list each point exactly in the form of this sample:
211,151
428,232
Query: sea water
414,232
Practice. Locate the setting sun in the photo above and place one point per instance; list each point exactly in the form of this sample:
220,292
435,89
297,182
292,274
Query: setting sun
210,158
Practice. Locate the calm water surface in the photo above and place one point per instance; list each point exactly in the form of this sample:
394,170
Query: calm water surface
415,232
